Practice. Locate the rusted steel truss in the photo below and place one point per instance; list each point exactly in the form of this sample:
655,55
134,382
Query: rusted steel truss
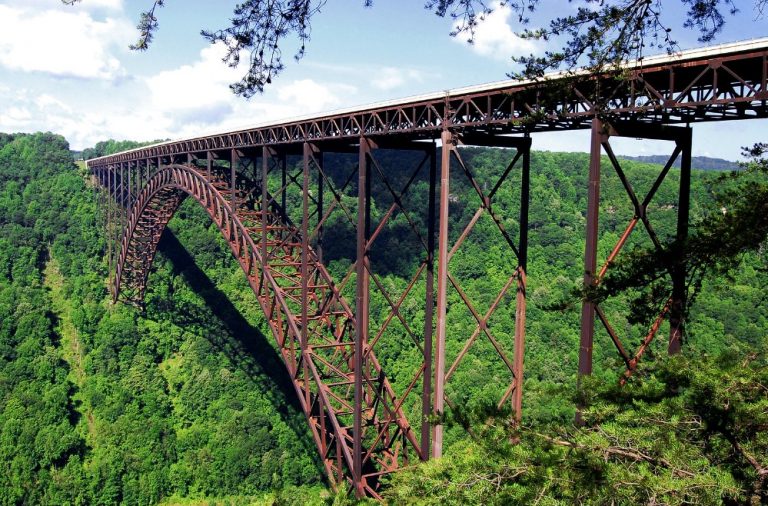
451,156
329,346
731,83
356,420
272,197
674,306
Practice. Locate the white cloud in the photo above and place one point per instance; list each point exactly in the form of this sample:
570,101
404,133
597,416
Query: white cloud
389,78
203,82
88,5
18,114
197,96
495,38
46,101
308,95
62,43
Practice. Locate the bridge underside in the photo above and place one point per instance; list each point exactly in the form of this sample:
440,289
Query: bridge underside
277,192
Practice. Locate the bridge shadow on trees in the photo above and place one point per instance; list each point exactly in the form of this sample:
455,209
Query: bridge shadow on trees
230,333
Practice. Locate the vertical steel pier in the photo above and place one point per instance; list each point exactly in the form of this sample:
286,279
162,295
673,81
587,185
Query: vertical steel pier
275,221
675,306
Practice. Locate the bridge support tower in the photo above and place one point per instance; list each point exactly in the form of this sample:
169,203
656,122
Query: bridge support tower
674,306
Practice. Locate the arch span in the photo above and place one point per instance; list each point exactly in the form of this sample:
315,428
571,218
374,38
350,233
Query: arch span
313,326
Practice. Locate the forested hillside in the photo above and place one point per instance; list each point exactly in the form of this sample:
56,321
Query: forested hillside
103,406
697,162
188,403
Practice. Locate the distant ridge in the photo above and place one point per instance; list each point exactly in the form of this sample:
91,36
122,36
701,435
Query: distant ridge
697,162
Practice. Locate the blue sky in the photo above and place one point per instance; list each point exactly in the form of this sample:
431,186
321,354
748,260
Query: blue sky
68,69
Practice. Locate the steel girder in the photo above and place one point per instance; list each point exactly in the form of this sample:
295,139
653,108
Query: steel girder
674,306
725,83
356,419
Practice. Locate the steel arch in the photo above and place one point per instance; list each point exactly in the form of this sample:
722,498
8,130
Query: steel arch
319,355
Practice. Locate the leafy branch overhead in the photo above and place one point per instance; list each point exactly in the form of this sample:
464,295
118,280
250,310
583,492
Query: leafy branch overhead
599,35
258,29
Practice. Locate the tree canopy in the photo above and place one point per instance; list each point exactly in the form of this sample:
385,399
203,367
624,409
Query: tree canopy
103,404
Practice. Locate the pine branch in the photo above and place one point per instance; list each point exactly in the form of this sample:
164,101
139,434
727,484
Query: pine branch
619,451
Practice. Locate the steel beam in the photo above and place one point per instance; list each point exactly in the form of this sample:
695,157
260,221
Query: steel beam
361,310
590,249
522,272
447,139
679,295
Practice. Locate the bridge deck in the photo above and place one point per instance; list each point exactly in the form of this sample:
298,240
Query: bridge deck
715,83
357,417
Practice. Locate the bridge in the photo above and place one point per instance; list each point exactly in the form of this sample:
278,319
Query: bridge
270,193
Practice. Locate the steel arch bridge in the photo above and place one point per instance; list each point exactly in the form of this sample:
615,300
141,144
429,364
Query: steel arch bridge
273,216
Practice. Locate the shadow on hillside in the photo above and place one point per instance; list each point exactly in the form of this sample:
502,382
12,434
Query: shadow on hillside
245,345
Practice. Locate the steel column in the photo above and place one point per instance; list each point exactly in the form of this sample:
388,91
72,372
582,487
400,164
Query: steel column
320,197
121,202
522,272
590,248
233,161
447,139
679,295
266,158
307,154
110,207
361,309
130,185
426,396
283,182
137,178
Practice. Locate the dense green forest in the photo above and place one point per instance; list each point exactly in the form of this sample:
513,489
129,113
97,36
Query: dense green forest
188,402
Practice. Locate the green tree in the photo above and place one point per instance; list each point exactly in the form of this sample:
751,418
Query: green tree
684,431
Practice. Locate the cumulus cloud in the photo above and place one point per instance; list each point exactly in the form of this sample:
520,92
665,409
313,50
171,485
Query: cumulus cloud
67,43
495,38
308,95
185,101
197,96
203,82
46,101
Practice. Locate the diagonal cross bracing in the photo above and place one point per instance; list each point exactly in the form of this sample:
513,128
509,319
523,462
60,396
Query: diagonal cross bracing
313,325
356,416
709,84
